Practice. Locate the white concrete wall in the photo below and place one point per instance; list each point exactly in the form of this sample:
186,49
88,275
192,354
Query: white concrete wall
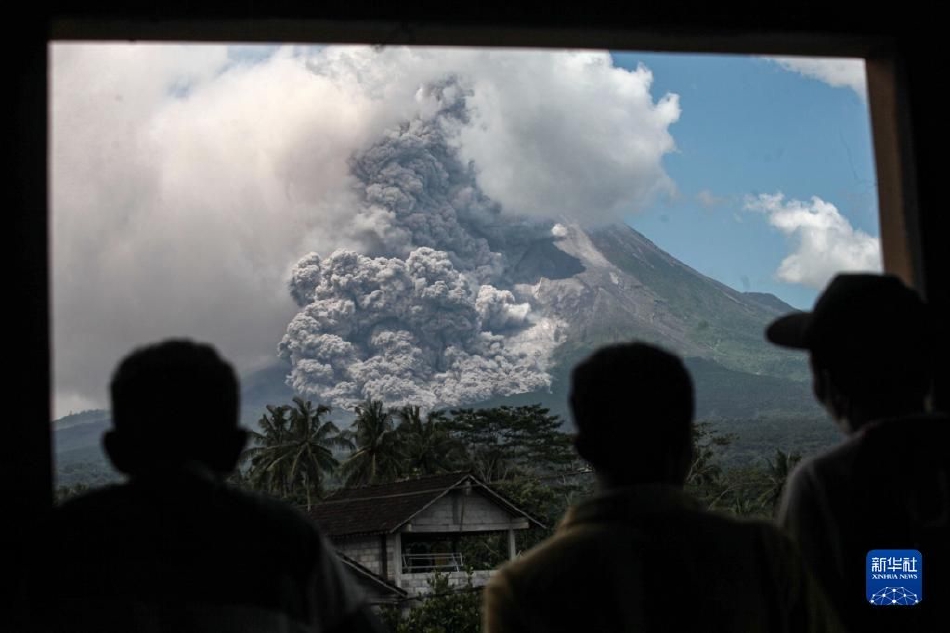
364,550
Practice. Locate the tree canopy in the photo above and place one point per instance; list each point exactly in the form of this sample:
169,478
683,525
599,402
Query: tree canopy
292,454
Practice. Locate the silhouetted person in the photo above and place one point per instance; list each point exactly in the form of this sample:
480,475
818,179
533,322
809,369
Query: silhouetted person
887,486
641,555
176,549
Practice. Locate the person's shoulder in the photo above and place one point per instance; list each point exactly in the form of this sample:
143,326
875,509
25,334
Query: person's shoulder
108,494
93,503
920,428
270,513
754,539
763,531
741,531
844,451
575,544
82,525
828,468
278,530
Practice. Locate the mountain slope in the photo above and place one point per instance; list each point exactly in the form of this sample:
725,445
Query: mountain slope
617,285
630,288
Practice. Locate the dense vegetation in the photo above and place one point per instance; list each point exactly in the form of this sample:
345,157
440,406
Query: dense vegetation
298,455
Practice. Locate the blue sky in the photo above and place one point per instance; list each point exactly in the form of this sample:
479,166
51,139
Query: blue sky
749,127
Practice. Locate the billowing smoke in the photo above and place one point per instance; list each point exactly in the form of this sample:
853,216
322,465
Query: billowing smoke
415,192
419,323
413,331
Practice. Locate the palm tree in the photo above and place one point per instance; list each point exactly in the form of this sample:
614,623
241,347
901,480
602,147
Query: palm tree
705,473
378,456
267,453
294,453
777,474
428,448
314,440
703,470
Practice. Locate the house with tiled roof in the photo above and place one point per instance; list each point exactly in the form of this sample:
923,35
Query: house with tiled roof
404,531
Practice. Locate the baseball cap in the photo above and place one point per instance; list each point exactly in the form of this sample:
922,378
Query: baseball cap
857,314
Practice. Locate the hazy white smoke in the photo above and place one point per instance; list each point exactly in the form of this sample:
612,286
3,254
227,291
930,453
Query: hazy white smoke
188,180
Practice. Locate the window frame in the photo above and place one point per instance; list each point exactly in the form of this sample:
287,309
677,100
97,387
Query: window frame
728,27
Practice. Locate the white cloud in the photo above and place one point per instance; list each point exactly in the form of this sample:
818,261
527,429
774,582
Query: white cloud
836,72
187,180
824,242
183,190
578,138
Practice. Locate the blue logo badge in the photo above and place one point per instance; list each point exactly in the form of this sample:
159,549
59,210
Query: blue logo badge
894,577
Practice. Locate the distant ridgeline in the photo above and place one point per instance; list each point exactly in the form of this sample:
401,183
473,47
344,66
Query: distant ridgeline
78,450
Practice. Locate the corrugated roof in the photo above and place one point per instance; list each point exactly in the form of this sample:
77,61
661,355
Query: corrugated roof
383,508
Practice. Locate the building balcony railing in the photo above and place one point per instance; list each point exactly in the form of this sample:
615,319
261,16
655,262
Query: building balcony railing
423,563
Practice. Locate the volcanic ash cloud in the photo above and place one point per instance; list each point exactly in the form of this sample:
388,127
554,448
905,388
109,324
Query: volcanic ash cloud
413,331
424,315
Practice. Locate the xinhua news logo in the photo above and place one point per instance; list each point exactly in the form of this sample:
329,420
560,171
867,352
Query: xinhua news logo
894,577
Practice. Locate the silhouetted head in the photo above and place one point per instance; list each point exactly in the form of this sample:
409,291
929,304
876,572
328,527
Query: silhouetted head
172,403
869,339
633,408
